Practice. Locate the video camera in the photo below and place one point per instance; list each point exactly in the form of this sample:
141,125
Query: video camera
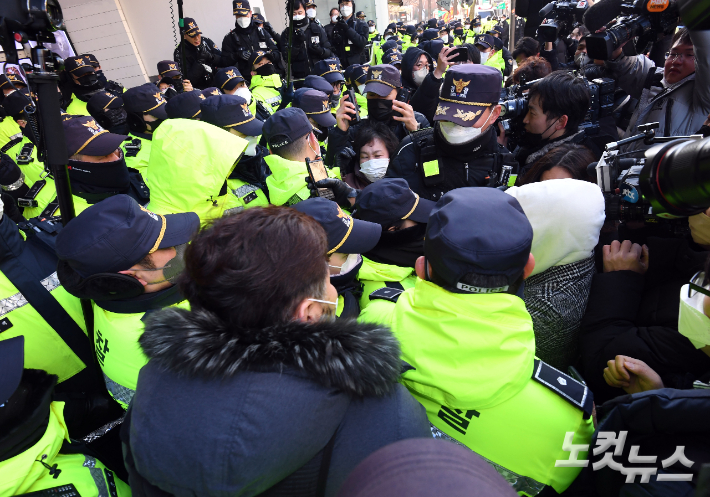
645,20
672,181
22,20
561,18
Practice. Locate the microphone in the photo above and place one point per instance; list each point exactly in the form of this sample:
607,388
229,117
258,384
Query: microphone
599,14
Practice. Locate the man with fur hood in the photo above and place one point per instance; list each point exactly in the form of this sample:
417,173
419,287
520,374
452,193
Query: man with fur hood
256,388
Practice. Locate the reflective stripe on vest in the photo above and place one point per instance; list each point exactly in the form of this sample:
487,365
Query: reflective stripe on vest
122,394
431,168
97,474
9,304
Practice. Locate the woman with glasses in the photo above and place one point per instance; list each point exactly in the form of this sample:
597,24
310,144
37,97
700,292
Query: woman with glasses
676,95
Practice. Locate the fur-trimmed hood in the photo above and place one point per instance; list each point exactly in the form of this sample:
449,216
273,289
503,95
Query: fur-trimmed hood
359,359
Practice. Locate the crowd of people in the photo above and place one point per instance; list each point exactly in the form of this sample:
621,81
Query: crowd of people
333,262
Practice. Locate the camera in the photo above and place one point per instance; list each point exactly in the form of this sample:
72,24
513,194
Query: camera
30,19
642,19
672,181
561,18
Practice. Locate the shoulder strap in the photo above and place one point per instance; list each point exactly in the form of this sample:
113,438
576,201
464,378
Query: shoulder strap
565,386
427,161
387,293
10,144
325,465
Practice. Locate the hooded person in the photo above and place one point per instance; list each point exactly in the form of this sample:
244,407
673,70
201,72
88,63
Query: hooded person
348,238
36,455
557,290
416,65
403,217
189,165
126,259
22,145
255,341
471,345
246,184
310,44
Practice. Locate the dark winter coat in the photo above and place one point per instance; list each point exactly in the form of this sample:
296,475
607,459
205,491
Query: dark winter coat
310,46
349,40
637,316
196,58
426,98
223,412
239,44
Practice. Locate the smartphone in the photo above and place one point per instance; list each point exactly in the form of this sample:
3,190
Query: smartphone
403,95
317,172
351,98
460,54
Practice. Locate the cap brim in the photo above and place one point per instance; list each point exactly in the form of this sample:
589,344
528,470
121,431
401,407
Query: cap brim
380,89
362,239
251,128
324,119
82,71
241,12
103,144
12,361
422,211
334,77
230,84
193,32
463,115
170,74
158,112
179,229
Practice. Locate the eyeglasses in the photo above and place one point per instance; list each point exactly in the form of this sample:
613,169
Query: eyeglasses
695,285
679,56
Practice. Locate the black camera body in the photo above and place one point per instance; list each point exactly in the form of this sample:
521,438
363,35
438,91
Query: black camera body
645,20
561,19
30,19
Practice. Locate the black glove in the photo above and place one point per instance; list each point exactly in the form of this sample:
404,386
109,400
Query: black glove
245,54
298,36
341,190
317,49
272,56
343,160
203,53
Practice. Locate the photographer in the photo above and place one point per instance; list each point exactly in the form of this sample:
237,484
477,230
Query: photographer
245,39
557,105
310,44
350,36
677,96
202,57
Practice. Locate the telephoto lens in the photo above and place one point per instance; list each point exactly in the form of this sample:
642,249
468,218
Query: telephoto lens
676,177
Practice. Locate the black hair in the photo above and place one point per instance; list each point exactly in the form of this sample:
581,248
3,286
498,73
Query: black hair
533,68
293,150
561,94
527,46
333,9
682,36
292,5
571,157
474,54
365,134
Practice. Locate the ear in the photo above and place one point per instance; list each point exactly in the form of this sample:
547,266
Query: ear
562,123
134,273
419,268
494,114
307,311
529,266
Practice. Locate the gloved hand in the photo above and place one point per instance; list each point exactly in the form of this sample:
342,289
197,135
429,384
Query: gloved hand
298,36
344,160
245,54
344,195
203,53
316,49
272,56
287,96
10,173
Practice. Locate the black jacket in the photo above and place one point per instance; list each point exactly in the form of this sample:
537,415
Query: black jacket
196,58
426,98
349,40
310,46
239,44
253,169
508,59
220,411
459,165
637,316
328,28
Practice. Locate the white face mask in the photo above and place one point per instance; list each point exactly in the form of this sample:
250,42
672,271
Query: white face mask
299,17
311,13
445,38
419,75
350,263
361,88
374,169
455,134
346,10
484,57
692,321
334,18
244,93
251,148
372,29
582,59
244,22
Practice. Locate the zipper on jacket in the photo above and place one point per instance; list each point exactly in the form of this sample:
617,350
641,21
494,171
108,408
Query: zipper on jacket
466,164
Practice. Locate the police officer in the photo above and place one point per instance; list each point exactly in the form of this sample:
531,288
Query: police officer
145,106
311,12
22,145
263,24
245,39
453,326
247,183
201,55
230,81
350,36
126,259
265,84
317,107
462,148
107,109
310,44
329,69
171,82
361,16
80,83
355,77
185,105
36,454
500,46
348,238
374,35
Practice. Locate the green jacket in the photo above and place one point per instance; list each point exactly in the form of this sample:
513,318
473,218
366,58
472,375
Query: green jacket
287,182
471,35
189,165
497,62
35,168
374,275
23,473
472,359
118,352
266,90
8,129
139,162
77,107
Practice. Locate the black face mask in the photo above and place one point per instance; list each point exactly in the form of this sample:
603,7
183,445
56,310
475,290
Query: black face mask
101,77
302,23
334,99
532,140
322,134
154,125
97,181
114,120
379,109
265,70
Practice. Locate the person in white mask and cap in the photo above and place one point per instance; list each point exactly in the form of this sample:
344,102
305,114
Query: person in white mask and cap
461,149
